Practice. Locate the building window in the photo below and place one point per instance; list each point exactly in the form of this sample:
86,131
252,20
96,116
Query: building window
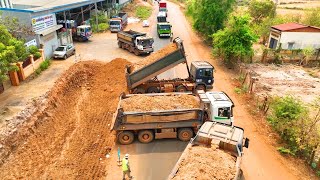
290,45
273,43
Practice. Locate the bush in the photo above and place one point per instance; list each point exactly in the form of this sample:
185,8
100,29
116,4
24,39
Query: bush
143,12
103,27
33,49
37,55
44,65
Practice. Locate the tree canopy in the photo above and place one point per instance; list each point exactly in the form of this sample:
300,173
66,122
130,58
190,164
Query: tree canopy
261,9
235,41
209,15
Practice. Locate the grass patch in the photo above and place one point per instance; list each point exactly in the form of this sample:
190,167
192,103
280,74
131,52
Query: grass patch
43,66
143,12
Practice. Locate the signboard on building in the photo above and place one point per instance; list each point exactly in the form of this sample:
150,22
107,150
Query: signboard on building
43,22
33,42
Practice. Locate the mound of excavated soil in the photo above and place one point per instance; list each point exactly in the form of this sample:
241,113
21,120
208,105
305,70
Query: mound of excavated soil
66,134
203,163
141,103
155,56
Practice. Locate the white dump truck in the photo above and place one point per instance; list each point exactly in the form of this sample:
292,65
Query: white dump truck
214,153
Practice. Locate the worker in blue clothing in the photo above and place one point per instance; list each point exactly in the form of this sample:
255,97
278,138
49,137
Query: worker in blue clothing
126,167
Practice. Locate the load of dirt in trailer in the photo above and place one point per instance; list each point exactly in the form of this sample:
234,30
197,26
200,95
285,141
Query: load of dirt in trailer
65,134
143,103
206,163
155,56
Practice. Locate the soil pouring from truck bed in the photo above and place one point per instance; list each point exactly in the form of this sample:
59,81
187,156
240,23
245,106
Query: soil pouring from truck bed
206,163
155,56
141,103
66,135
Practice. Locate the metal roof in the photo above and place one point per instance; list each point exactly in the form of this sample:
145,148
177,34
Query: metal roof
51,5
291,26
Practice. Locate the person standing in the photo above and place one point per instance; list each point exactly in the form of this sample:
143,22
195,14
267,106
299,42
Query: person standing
126,167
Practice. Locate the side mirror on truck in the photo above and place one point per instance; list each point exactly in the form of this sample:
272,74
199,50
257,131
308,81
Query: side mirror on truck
246,143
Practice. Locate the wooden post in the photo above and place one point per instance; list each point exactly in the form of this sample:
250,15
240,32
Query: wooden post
82,14
14,78
96,12
21,74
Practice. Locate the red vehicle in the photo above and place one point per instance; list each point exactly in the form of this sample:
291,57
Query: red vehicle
163,7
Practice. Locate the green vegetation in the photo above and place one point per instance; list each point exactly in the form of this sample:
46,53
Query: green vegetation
103,27
103,22
143,12
209,16
291,118
262,9
234,43
11,51
43,66
34,51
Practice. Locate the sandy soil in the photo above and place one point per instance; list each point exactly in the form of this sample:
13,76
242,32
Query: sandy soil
140,103
155,56
285,80
66,134
206,163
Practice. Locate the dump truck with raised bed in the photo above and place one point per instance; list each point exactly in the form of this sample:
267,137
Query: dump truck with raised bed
214,153
135,42
142,76
168,115
118,23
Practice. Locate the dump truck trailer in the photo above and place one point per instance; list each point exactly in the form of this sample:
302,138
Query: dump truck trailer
219,150
135,42
168,115
144,79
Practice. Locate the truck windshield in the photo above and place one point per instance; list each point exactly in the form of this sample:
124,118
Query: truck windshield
145,42
114,22
206,72
165,27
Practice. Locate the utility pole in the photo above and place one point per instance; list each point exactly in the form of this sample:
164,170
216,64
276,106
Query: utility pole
96,12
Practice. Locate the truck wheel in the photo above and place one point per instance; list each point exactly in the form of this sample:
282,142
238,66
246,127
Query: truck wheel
125,137
185,134
153,90
119,44
136,52
201,87
145,136
181,88
139,91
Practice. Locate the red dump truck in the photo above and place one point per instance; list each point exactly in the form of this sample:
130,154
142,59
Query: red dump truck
214,153
163,7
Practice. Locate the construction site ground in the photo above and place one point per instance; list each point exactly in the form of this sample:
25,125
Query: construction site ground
65,133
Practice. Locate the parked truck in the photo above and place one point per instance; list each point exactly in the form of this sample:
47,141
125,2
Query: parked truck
219,149
135,42
176,121
164,29
118,22
163,7
144,80
79,33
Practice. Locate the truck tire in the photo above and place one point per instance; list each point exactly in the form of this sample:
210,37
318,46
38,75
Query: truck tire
153,90
119,44
136,52
139,91
131,49
145,136
181,88
125,137
201,87
185,134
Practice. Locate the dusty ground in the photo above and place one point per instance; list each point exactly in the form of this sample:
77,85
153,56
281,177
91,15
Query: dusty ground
281,80
140,103
67,135
211,164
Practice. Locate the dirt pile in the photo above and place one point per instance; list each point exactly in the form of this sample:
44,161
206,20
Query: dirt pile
141,103
204,163
155,56
69,136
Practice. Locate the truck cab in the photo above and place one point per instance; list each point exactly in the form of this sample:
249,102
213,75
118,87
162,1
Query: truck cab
201,72
84,32
164,29
115,25
220,107
144,43
161,17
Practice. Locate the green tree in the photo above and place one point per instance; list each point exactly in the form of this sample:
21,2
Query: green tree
234,42
261,9
11,51
209,15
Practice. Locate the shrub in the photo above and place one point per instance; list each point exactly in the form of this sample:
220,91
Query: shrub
33,49
44,65
103,27
37,55
143,12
